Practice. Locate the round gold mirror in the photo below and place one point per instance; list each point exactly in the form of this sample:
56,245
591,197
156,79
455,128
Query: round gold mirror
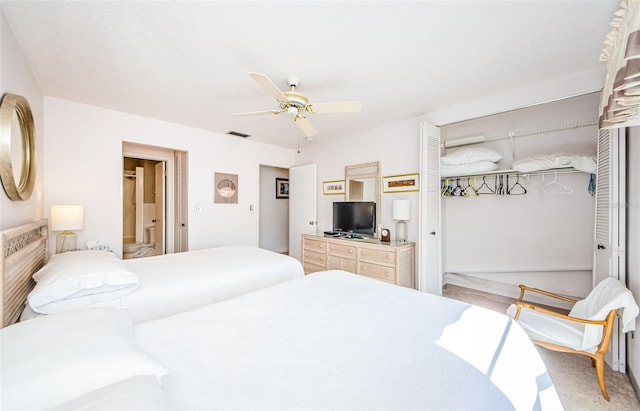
17,147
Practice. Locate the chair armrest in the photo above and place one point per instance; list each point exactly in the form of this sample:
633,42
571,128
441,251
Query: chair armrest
521,305
524,288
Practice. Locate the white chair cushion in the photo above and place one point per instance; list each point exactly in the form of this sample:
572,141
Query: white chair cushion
551,329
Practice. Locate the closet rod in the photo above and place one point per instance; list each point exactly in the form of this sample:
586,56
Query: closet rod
560,170
495,113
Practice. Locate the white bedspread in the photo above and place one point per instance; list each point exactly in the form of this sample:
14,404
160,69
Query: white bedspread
335,340
173,283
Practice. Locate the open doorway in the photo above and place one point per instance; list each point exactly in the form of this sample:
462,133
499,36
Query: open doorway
154,201
143,207
274,209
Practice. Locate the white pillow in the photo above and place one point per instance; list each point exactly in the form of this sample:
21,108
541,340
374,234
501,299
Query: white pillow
52,359
464,169
78,278
468,155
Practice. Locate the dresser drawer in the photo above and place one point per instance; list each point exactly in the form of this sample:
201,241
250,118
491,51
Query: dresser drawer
377,256
311,244
340,250
340,263
312,268
377,271
314,257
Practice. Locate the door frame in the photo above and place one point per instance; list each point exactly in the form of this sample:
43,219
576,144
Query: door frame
166,155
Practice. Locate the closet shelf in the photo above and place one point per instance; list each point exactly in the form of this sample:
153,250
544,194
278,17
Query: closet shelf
559,170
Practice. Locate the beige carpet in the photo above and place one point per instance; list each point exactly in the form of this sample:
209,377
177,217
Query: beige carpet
573,376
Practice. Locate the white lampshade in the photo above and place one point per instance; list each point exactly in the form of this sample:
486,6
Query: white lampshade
401,210
67,217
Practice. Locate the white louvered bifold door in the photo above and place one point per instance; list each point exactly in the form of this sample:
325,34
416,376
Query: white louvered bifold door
609,234
429,276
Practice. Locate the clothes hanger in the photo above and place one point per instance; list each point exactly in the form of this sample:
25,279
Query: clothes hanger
485,186
470,190
516,189
446,188
457,190
499,185
556,187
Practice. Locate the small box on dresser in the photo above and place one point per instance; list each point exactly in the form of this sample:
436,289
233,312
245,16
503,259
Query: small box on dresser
390,262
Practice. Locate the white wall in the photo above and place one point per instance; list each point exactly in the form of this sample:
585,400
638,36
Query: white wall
397,148
633,243
543,240
16,78
83,165
273,212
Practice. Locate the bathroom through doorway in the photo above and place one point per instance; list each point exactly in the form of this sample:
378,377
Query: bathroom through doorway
154,201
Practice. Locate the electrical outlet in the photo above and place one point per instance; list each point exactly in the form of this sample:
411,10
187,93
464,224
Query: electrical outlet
198,208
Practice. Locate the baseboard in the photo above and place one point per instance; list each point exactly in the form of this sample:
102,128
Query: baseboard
634,382
502,289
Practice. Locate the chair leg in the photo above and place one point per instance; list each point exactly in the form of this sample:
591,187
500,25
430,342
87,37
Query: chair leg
599,363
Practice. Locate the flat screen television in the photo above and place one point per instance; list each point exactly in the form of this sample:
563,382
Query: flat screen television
355,217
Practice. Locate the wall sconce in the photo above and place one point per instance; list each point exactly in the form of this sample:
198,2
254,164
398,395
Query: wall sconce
401,214
66,218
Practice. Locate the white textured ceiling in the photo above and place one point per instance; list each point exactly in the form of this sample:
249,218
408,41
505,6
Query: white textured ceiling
187,61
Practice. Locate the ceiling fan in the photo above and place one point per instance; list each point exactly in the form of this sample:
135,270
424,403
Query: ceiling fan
297,104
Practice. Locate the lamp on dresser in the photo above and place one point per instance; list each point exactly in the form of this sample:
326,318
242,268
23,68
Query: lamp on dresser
65,218
401,214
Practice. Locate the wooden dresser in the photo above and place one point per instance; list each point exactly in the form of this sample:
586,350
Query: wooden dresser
390,262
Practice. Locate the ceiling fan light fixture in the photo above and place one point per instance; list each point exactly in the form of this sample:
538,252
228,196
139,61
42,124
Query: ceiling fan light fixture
295,103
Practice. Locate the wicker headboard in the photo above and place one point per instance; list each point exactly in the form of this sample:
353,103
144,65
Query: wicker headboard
24,251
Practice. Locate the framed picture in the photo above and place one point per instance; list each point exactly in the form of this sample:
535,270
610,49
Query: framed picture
225,188
401,183
282,187
333,187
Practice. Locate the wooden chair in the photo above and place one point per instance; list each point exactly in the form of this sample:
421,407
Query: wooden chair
568,333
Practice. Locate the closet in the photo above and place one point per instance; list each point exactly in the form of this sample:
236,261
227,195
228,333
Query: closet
502,227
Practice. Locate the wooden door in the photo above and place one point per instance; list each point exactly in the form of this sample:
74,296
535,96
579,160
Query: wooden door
302,205
609,235
429,277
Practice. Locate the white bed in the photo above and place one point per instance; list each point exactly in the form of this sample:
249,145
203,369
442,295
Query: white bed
154,287
330,340
334,340
173,283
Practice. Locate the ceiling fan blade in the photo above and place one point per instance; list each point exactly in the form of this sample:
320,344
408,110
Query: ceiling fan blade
335,107
257,113
305,125
266,83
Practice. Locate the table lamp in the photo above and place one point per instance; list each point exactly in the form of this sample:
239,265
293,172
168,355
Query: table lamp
66,218
401,214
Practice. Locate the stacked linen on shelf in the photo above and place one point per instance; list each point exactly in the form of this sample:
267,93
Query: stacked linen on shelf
582,163
469,160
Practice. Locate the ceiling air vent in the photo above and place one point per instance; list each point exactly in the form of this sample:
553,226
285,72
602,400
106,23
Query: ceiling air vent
237,134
